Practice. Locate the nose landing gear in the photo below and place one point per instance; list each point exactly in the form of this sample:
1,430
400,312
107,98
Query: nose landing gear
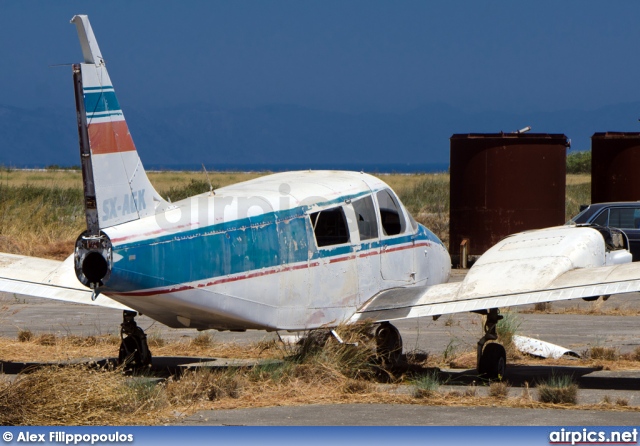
134,351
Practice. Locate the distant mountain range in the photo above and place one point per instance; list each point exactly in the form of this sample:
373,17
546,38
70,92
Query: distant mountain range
291,135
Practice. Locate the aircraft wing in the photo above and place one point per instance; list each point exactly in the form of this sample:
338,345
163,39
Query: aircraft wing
50,279
539,266
404,303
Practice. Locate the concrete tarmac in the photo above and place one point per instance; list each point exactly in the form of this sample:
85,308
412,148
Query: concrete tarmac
407,415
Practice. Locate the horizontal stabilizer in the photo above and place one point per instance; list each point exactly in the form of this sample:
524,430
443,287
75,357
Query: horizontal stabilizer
49,279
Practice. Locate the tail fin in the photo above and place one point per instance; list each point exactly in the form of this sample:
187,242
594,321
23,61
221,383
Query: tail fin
111,165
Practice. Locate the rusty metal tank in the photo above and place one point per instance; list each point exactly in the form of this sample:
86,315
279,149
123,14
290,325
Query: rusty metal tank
503,183
615,160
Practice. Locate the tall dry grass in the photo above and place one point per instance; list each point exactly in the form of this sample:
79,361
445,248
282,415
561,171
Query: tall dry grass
40,221
74,395
428,201
80,395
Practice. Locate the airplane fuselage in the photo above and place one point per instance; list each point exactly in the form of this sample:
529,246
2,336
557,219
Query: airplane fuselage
293,251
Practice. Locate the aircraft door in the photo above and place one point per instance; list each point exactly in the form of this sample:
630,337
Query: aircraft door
420,253
397,257
334,282
367,251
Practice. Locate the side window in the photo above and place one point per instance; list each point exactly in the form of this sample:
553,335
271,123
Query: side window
391,216
366,217
623,218
330,227
602,219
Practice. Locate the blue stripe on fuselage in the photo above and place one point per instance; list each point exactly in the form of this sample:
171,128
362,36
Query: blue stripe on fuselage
275,239
219,251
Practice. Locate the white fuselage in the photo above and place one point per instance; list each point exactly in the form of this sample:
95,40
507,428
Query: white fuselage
294,251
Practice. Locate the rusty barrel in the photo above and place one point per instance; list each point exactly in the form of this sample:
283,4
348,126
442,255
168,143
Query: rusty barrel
503,183
615,167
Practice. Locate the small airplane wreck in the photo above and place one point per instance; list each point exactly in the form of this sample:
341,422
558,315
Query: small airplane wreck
293,251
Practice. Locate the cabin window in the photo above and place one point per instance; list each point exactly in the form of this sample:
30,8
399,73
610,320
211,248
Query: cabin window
391,216
366,217
330,227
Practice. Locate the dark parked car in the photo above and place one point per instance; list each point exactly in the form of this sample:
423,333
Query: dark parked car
622,215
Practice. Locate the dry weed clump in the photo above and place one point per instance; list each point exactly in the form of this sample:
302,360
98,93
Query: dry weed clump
622,402
543,307
558,390
73,395
203,340
25,336
602,353
205,385
47,339
499,389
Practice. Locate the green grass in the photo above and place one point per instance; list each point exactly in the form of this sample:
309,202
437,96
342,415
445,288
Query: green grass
577,194
507,327
427,385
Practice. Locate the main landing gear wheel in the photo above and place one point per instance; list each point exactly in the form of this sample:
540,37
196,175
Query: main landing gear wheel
492,358
493,361
388,344
134,351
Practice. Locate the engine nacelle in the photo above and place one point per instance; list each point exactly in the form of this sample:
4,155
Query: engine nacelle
93,259
534,259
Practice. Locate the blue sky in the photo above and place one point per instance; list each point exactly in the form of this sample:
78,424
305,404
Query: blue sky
350,56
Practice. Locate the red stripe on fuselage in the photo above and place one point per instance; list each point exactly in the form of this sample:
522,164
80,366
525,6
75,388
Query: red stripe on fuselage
263,273
110,137
401,248
220,281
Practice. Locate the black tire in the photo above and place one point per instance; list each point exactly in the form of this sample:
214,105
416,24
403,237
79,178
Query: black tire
132,354
493,361
388,344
